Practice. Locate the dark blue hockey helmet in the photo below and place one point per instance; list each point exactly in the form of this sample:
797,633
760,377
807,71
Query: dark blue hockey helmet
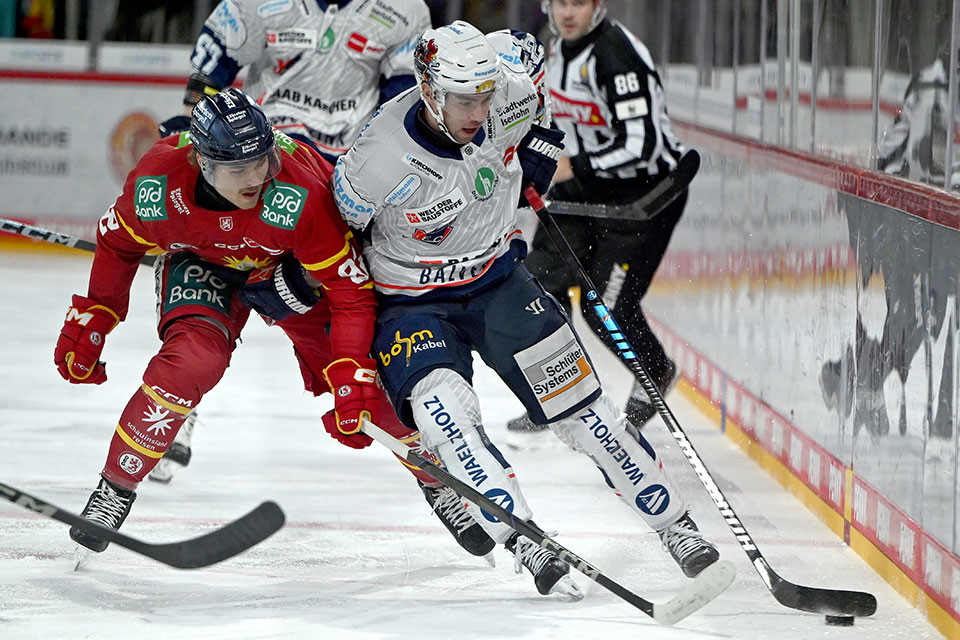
233,140
229,126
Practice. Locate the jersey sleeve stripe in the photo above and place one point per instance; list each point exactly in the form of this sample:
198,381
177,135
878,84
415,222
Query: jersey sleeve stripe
130,231
316,266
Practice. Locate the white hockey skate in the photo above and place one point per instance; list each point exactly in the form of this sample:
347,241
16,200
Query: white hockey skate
178,455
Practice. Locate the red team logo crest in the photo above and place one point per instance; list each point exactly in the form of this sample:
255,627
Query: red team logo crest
226,223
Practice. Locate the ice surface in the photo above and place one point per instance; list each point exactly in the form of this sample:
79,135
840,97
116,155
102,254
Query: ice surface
361,556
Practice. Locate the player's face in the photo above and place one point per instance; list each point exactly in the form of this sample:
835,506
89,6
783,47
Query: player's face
241,184
572,17
465,114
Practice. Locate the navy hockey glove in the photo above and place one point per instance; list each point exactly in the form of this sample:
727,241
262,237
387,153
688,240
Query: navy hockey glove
286,292
538,153
174,125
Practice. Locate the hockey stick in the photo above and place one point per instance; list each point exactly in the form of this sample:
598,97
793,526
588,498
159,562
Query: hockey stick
218,545
36,233
649,206
813,599
705,587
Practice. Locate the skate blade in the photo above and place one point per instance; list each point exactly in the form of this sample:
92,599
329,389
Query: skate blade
567,587
491,560
535,441
81,557
162,473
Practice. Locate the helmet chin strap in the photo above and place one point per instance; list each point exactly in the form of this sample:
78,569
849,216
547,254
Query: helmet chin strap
438,116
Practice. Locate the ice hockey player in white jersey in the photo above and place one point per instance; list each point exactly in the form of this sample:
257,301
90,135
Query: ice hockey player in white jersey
318,68
434,183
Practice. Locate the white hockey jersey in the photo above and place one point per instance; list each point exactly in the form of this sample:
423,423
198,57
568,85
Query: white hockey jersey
320,66
440,217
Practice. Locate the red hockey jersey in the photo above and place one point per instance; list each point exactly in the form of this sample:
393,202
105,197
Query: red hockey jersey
157,212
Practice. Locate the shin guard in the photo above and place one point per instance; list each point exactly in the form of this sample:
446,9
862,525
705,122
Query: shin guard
630,466
193,358
447,412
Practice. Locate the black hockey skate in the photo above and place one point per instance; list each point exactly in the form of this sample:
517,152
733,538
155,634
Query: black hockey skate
550,573
178,455
639,408
453,514
688,547
108,505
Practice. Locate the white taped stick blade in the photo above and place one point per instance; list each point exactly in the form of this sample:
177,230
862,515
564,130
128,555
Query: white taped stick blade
711,582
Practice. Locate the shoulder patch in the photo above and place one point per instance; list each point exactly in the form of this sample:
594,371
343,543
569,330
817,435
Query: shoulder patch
274,7
285,142
404,189
149,197
628,109
282,205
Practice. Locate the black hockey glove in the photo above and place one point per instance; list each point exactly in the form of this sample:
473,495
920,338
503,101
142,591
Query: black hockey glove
539,152
286,292
176,124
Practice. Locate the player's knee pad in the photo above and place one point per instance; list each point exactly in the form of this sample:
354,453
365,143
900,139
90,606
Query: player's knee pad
194,356
627,461
447,412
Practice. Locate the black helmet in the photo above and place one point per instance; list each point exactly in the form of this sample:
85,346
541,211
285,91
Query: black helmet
229,126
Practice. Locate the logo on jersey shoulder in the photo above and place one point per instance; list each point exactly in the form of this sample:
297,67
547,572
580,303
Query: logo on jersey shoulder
149,197
226,21
285,142
449,203
516,112
282,205
484,183
585,113
422,167
348,200
176,197
274,8
433,237
404,189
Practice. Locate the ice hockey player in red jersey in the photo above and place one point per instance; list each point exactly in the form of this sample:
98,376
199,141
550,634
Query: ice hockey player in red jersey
244,219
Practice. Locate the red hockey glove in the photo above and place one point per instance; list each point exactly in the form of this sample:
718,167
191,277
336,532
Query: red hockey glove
77,355
355,396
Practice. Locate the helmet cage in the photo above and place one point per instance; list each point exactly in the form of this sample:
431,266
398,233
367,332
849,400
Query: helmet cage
599,13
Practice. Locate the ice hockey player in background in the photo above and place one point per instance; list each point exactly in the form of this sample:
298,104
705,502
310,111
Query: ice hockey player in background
246,220
434,182
318,69
607,98
916,146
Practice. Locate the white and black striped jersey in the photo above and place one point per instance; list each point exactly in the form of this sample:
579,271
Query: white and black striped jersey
323,65
608,99
441,219
915,146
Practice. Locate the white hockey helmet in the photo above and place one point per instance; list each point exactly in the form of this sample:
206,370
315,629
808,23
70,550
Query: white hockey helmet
599,13
457,59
